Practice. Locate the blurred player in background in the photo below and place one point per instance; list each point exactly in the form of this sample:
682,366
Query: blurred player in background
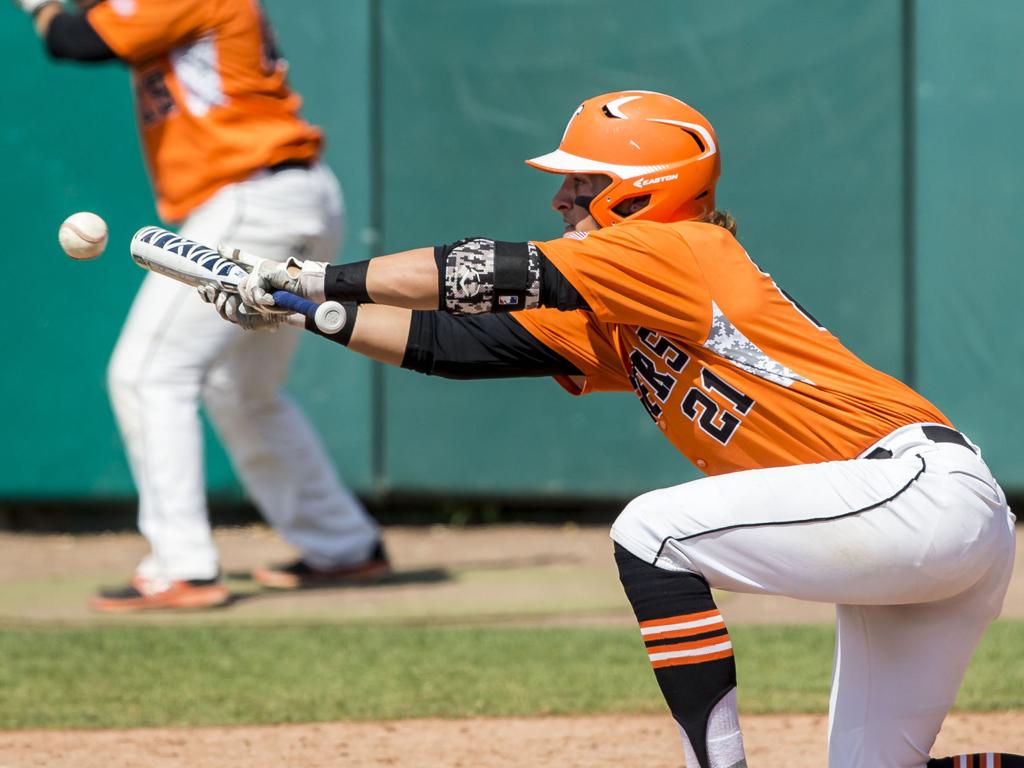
232,162
828,480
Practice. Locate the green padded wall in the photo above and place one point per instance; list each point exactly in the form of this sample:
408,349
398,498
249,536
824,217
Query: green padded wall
800,95
429,109
327,45
969,345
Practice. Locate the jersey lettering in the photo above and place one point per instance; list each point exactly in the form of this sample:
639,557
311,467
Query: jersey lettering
699,406
673,356
153,97
644,375
647,380
711,382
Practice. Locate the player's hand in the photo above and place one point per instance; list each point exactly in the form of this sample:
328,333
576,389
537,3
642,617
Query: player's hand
230,307
303,278
31,6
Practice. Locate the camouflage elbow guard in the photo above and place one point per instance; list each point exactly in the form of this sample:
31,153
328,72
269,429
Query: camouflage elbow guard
483,275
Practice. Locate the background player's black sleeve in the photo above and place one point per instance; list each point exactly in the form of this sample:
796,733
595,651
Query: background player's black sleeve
488,346
71,36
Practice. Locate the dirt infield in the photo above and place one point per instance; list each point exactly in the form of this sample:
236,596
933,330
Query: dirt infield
508,574
797,741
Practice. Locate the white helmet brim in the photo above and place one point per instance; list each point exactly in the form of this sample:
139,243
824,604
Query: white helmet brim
561,161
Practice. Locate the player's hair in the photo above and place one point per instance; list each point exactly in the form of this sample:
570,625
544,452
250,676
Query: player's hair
723,219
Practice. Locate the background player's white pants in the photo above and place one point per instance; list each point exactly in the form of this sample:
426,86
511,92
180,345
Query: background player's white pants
174,351
916,551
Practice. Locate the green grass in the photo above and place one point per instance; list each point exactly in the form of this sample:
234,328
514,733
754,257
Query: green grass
148,676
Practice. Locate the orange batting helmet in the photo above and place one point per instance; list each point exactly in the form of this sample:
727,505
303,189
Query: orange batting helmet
649,144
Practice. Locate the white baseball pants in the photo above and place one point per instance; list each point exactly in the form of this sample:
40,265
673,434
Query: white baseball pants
916,551
174,351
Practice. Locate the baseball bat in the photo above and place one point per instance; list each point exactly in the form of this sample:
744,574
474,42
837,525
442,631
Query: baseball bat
328,317
192,263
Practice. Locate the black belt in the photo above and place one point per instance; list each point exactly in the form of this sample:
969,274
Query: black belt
935,433
287,165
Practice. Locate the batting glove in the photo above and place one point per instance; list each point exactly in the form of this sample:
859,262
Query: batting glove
31,6
303,278
230,307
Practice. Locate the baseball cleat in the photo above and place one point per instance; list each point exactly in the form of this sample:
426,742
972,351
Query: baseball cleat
143,595
300,575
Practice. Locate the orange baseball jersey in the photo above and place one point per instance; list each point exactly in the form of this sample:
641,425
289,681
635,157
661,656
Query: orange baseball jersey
733,371
212,100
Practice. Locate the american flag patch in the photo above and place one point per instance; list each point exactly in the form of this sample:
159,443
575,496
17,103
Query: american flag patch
576,235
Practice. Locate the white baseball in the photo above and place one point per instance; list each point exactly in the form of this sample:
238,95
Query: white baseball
83,235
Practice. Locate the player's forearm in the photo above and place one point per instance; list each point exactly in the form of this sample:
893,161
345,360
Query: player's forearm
381,333
404,280
407,279
470,277
374,330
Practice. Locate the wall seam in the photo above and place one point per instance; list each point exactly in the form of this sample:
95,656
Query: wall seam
909,171
378,408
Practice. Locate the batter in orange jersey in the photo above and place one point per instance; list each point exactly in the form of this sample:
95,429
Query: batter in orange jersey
211,97
827,480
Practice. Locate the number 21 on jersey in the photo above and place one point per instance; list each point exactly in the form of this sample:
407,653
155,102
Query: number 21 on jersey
654,368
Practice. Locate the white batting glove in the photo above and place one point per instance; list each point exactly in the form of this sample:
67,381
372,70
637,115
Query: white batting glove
31,6
230,307
303,278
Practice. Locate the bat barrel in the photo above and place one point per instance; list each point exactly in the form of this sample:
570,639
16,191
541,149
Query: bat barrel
187,261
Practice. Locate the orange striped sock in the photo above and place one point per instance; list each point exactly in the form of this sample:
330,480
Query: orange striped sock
979,760
689,648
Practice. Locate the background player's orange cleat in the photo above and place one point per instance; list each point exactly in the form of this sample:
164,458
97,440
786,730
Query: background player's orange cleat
142,595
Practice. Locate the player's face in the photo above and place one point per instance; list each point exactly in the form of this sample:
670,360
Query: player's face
577,218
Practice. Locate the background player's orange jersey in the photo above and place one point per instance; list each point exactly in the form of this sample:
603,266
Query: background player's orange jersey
732,370
212,101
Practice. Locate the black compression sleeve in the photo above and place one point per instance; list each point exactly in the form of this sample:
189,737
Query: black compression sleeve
347,282
556,291
345,334
487,346
71,36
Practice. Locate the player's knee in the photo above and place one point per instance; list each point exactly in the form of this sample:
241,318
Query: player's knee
121,378
650,586
635,527
218,398
229,406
